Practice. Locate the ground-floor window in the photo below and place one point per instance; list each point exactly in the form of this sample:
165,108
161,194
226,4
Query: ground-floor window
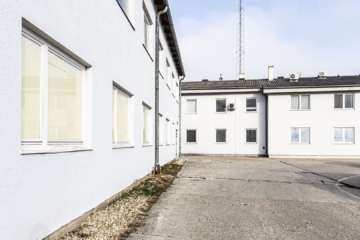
344,135
221,136
300,135
251,135
146,124
191,136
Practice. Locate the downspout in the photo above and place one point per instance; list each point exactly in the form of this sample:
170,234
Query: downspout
157,168
183,77
266,122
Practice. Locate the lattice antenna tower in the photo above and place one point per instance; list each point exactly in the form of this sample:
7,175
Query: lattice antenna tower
240,51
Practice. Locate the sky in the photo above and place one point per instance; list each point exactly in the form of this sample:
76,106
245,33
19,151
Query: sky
294,36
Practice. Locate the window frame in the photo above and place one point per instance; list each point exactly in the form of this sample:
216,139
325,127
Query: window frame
299,102
220,129
129,143
147,29
187,110
148,125
256,105
299,132
43,144
194,130
161,130
168,74
168,132
256,133
221,99
343,101
343,135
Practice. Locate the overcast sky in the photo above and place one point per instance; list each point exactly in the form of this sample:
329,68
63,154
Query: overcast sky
304,36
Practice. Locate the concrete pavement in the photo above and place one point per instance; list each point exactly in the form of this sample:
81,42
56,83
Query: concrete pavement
257,198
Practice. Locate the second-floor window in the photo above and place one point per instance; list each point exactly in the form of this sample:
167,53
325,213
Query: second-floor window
344,101
221,105
251,105
191,106
300,102
147,34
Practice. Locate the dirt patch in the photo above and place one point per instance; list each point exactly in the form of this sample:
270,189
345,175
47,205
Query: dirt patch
124,215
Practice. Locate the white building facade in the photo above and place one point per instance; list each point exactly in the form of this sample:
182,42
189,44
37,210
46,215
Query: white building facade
77,96
301,118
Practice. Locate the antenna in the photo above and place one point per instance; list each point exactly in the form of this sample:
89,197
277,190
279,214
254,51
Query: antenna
240,38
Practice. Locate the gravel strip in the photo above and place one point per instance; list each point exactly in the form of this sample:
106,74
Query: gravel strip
121,218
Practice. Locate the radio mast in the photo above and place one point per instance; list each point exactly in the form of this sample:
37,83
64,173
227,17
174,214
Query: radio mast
240,40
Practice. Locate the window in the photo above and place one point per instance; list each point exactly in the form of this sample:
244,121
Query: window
251,105
191,136
121,117
221,105
146,124
191,106
344,135
251,135
173,85
300,102
161,130
167,131
124,5
168,75
300,135
344,101
161,59
51,96
177,92
221,136
147,32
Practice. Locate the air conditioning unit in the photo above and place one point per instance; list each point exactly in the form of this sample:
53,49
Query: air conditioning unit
232,106
323,74
294,77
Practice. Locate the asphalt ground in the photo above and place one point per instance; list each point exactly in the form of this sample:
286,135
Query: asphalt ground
258,198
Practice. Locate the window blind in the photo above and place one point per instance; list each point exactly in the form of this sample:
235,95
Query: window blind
191,106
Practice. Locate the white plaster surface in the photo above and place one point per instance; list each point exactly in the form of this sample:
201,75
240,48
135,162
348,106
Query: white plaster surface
41,193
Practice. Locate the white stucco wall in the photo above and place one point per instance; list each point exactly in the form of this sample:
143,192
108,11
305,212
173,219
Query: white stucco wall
42,192
322,118
206,121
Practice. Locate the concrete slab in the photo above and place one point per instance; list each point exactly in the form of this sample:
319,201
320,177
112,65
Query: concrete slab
241,198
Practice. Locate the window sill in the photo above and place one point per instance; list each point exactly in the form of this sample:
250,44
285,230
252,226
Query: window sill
173,95
251,143
148,53
220,143
191,113
296,143
191,143
300,110
121,147
251,112
168,144
342,143
161,75
147,145
132,26
220,112
168,86
343,109
53,151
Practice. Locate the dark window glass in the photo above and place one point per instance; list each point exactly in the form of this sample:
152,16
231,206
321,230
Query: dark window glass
191,136
220,105
251,105
251,136
220,136
339,101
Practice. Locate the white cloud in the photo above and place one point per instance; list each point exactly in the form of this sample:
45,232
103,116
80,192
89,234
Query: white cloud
279,37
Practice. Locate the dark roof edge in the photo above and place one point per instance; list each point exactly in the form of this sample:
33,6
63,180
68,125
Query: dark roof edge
160,5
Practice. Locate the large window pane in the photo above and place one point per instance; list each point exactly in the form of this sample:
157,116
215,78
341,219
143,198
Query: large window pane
30,90
349,101
294,102
305,135
122,117
251,136
220,105
191,106
349,135
338,101
305,102
145,124
191,136
251,105
338,135
295,135
65,100
220,136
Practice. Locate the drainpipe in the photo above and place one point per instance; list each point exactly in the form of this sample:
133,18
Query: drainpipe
180,115
157,168
266,122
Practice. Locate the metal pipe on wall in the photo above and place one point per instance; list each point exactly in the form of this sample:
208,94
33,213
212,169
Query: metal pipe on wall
157,168
180,114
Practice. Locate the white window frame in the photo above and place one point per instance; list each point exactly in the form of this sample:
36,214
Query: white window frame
248,108
251,129
130,142
161,130
161,60
174,134
187,111
127,9
147,29
226,136
343,103
43,145
195,136
168,74
299,131
225,106
148,125
343,135
168,132
173,85
299,102
177,91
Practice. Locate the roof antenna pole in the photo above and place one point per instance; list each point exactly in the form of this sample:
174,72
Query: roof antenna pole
240,40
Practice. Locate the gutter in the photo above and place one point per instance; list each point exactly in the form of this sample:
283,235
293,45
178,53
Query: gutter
266,122
180,114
